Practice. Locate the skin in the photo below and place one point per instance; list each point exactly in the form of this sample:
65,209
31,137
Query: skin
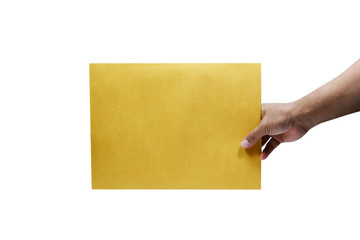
288,122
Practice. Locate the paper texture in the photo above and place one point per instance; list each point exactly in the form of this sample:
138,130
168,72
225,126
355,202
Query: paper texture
174,126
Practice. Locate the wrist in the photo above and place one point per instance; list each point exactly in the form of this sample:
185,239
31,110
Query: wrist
302,114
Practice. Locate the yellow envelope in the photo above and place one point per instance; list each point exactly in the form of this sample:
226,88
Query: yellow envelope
174,126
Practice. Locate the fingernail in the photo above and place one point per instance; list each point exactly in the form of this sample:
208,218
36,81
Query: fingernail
245,144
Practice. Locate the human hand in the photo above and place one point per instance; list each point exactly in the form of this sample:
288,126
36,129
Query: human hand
288,122
279,124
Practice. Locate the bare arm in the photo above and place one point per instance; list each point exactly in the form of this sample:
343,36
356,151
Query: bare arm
288,122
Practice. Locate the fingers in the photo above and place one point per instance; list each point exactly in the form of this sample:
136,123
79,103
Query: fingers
270,146
254,136
264,140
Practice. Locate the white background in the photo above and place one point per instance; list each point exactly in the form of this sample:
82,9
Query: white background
310,188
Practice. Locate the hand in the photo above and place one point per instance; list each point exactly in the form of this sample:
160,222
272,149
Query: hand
279,124
288,122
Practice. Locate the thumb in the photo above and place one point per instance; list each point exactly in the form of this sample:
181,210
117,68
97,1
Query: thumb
254,136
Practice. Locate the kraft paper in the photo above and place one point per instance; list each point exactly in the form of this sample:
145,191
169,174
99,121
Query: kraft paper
174,126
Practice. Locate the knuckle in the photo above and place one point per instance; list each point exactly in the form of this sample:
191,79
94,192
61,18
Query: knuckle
266,127
251,138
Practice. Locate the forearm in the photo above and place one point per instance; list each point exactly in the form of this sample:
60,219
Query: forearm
337,98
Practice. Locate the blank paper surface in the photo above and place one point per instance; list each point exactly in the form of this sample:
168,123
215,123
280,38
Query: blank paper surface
174,126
